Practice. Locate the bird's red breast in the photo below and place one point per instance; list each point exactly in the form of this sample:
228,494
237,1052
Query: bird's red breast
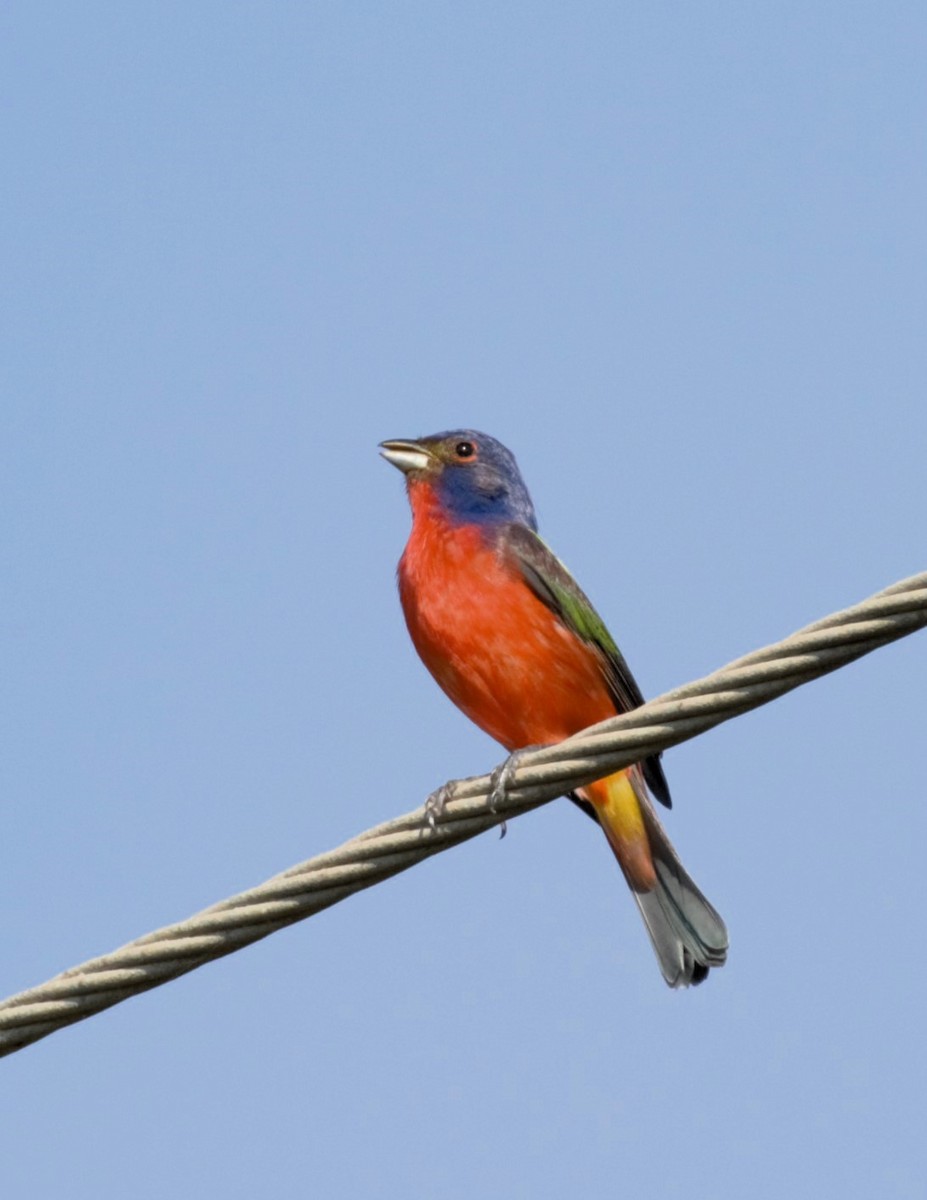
497,650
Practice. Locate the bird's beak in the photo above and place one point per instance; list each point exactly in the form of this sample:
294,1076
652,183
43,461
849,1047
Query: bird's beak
407,456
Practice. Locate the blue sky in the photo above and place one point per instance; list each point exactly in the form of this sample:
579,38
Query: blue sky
675,256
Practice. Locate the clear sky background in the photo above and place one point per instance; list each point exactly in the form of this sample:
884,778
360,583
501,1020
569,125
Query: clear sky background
675,256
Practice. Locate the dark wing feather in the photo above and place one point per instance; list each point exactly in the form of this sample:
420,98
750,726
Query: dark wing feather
552,583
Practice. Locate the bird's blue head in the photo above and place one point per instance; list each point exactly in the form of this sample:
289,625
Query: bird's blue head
474,478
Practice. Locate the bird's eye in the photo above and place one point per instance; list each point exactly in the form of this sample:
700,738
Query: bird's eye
465,449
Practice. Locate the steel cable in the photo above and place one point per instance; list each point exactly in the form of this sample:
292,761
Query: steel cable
540,776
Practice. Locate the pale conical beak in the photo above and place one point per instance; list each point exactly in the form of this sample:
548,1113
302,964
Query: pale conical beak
407,456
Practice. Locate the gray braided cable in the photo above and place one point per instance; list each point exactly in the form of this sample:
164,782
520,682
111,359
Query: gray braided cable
388,849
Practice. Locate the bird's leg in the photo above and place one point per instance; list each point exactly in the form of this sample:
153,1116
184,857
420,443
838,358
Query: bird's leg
501,779
437,803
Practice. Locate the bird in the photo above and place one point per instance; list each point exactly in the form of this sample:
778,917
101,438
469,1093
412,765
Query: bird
514,642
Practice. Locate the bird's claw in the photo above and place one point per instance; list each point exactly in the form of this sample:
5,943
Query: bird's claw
437,803
500,781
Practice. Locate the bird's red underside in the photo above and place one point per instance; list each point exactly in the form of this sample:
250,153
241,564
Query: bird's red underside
501,654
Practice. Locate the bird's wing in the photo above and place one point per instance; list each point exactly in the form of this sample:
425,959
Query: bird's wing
552,583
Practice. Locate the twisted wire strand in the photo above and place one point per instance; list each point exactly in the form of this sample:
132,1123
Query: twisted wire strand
540,775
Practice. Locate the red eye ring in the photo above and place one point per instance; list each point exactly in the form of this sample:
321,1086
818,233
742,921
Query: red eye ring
465,449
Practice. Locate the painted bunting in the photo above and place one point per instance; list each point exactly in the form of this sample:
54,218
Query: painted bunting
513,641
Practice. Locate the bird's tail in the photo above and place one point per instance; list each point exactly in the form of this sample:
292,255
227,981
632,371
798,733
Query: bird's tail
687,934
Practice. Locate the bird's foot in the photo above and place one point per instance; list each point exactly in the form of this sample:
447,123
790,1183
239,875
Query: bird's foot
501,779
437,803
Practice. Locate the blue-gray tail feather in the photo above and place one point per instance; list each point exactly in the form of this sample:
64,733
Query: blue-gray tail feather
688,935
